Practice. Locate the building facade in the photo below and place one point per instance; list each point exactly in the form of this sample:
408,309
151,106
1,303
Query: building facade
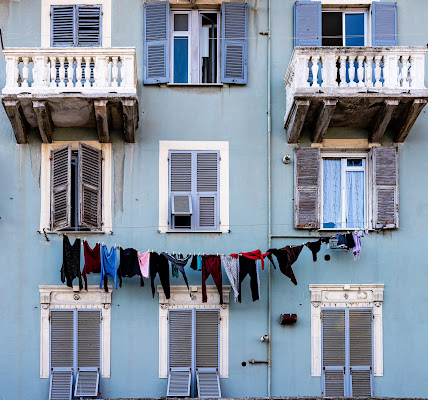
209,128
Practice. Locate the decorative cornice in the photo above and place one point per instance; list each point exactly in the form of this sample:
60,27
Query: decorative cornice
58,295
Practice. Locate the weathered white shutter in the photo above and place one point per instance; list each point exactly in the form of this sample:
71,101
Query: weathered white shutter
333,352
360,351
61,384
180,183
234,43
89,186
156,42
61,188
306,187
307,23
88,26
63,26
384,24
385,187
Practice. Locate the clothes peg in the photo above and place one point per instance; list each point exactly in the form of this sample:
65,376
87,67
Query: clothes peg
102,244
217,254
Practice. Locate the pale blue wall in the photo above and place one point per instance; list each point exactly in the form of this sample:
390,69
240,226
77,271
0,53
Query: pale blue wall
236,114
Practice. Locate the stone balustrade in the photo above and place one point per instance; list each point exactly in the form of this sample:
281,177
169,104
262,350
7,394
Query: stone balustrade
61,70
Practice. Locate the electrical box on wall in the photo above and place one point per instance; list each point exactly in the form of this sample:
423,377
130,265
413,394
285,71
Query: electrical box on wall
288,319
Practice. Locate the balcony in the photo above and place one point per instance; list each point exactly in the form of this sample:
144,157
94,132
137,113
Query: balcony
376,88
71,87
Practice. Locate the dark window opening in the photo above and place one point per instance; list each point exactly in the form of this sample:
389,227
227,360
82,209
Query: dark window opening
209,48
332,29
182,221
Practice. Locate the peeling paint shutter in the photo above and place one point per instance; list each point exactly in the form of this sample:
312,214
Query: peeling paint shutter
88,26
384,20
89,186
61,188
234,43
360,348
156,42
333,352
62,26
307,23
60,384
207,338
306,187
385,187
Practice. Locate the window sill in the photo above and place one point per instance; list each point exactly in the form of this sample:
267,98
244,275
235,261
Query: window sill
82,233
219,85
344,230
204,232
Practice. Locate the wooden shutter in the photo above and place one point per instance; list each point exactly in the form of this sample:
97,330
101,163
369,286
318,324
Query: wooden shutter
360,351
333,352
61,384
385,187
156,42
208,383
88,26
63,26
61,188
384,24
207,182
207,338
307,23
306,187
89,186
235,42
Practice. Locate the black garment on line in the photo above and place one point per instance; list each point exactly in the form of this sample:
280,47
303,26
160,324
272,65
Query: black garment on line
248,266
314,247
179,263
286,257
159,265
129,265
194,263
71,262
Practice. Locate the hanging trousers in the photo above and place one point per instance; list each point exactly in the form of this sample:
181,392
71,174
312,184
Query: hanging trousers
211,265
159,265
248,266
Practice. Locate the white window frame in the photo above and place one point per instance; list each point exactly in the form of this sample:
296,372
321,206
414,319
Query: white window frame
179,299
105,18
60,297
45,182
346,296
169,145
367,186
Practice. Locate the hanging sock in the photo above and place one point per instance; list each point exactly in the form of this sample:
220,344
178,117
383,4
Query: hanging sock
144,262
286,257
129,265
314,247
248,266
159,265
231,266
211,265
180,263
92,261
71,262
254,255
108,266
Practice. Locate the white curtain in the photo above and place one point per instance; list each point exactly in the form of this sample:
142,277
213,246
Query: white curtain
332,208
355,199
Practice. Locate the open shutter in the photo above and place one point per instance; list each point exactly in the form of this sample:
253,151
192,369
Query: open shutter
88,26
307,23
156,42
208,383
234,44
385,187
360,348
63,26
61,188
306,187
384,20
60,384
89,186
333,352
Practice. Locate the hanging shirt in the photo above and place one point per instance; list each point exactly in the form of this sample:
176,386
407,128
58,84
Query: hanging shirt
129,265
286,257
71,262
92,261
231,266
144,261
108,266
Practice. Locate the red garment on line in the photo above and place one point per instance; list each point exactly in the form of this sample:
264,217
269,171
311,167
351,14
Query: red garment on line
253,255
211,265
92,260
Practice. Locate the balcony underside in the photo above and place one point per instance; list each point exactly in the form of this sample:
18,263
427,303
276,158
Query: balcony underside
72,110
373,111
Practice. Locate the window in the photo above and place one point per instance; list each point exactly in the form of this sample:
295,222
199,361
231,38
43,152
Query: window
347,28
193,186
195,54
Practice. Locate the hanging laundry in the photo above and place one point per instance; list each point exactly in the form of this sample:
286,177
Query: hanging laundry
254,255
314,247
199,263
211,265
92,261
248,266
144,260
231,266
129,265
159,265
174,271
286,257
356,250
194,263
180,263
71,262
345,241
108,266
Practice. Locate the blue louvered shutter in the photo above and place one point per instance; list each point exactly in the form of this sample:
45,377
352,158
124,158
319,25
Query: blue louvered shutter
307,23
234,43
333,352
384,20
207,185
88,26
61,384
156,42
63,32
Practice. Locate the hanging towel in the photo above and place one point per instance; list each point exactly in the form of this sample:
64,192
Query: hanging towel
71,262
129,265
144,261
254,255
108,266
180,263
92,261
286,257
159,265
211,265
231,266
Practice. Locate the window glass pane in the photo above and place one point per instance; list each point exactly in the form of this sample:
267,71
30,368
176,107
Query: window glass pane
354,29
355,162
355,199
332,29
332,207
181,59
208,50
181,22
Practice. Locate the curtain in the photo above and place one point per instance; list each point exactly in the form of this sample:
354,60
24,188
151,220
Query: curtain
355,199
332,209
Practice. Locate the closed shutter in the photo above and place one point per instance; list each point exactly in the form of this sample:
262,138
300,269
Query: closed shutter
61,188
333,352
234,43
360,349
89,338
60,384
62,323
62,26
88,26
306,187
180,183
207,338
385,187
156,42
307,23
384,20
89,186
